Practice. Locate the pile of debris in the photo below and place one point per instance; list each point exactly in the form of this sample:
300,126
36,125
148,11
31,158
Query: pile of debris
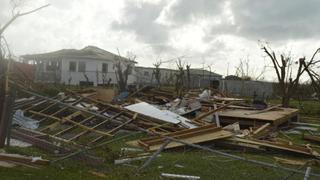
74,120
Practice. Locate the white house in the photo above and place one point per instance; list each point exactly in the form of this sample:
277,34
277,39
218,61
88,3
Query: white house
90,65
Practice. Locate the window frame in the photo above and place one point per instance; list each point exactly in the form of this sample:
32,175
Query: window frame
74,69
82,64
105,67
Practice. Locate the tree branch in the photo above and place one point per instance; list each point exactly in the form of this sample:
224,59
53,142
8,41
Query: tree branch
274,61
19,15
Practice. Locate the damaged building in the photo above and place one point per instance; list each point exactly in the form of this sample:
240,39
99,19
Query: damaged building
90,65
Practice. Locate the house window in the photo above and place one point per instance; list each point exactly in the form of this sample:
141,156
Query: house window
104,67
82,67
146,73
72,66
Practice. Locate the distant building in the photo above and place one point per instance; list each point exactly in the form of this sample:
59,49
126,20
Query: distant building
145,75
246,88
199,77
70,66
203,78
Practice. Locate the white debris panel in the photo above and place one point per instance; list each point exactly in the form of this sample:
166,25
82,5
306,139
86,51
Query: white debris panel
163,115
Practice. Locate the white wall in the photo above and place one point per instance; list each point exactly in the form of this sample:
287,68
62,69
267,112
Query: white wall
93,72
142,78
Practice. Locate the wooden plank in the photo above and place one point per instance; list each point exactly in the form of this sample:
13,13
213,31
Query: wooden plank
264,110
202,134
23,159
184,135
201,116
73,122
273,145
274,116
312,138
261,128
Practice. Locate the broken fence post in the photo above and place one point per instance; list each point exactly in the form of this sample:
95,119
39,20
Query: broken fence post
307,175
154,156
216,116
179,176
128,160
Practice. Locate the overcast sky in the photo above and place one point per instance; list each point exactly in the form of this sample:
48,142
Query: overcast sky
211,32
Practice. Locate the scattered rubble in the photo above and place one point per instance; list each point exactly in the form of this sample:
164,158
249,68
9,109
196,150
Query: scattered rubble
81,119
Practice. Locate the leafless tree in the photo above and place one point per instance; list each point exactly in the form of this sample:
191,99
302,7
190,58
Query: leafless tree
288,82
5,67
188,66
179,78
157,73
246,72
169,78
314,77
123,67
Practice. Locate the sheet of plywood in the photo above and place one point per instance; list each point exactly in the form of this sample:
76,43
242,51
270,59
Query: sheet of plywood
274,145
193,139
271,116
104,94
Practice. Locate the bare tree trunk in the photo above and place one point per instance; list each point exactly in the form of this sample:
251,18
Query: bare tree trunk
287,84
188,77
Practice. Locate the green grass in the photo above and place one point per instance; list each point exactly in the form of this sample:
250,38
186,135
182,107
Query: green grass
307,108
194,162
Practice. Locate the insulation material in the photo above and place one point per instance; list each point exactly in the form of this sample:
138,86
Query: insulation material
23,121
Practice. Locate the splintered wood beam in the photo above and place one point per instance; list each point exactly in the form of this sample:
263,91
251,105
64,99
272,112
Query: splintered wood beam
71,121
201,116
261,128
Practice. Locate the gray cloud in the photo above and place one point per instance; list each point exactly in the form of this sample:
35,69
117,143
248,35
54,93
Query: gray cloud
141,20
184,11
273,20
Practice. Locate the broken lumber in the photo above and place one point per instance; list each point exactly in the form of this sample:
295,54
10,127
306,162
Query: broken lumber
258,144
179,176
196,135
311,138
261,128
201,116
23,159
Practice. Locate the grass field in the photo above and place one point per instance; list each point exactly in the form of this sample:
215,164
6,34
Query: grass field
180,161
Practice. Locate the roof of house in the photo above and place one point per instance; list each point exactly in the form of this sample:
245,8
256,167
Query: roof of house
89,52
196,71
167,69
